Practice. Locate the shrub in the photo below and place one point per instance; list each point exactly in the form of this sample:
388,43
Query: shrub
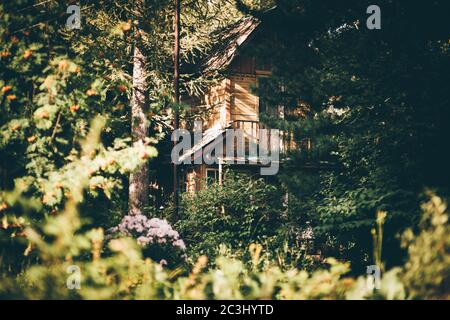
242,211
427,272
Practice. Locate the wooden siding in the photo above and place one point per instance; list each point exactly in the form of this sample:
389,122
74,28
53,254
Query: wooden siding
244,104
218,100
233,99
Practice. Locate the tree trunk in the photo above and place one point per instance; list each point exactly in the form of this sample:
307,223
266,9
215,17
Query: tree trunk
138,188
176,95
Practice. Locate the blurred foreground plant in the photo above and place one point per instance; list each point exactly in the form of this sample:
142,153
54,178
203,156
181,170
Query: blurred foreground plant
427,272
123,273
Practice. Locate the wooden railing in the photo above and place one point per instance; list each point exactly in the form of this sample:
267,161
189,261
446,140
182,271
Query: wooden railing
250,128
287,142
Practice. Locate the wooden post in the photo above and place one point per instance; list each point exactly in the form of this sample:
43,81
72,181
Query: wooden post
220,171
176,94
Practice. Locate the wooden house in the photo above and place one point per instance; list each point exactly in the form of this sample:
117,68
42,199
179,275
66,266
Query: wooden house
232,103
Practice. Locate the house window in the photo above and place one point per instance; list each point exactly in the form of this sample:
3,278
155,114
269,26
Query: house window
212,176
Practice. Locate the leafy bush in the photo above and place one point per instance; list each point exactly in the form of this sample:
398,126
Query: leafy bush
427,272
242,211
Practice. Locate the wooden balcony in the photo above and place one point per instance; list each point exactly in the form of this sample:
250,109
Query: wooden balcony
252,128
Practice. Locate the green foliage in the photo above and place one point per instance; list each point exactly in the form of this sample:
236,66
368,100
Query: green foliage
90,168
124,274
241,211
427,272
54,82
373,103
57,94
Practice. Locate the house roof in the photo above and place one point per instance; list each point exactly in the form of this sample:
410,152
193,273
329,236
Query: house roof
208,136
230,41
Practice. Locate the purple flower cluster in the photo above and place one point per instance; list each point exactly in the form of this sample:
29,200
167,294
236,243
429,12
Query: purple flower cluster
150,231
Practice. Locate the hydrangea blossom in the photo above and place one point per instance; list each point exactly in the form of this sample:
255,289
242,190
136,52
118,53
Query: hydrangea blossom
149,232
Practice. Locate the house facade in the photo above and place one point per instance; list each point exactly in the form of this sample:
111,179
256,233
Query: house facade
232,104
